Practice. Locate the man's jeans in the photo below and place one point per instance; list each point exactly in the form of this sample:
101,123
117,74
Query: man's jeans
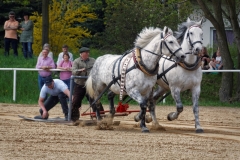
53,100
27,49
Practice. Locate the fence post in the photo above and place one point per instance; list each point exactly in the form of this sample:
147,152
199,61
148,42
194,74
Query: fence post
14,84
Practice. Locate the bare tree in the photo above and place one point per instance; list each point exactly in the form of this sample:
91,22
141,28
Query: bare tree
45,21
216,18
232,16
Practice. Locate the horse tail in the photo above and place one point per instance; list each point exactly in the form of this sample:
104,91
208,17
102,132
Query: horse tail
89,87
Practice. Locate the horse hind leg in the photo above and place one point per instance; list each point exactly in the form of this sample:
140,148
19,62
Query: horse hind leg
107,122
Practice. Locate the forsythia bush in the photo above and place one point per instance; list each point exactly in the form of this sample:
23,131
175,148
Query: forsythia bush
65,21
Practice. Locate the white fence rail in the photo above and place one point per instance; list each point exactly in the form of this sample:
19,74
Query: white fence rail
34,69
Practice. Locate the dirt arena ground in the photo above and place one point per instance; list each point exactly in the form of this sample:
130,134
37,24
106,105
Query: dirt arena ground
21,139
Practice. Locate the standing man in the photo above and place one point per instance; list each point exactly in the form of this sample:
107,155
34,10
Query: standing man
58,92
64,50
46,63
11,27
81,67
26,37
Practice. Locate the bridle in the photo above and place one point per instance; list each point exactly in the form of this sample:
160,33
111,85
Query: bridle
161,46
137,56
189,39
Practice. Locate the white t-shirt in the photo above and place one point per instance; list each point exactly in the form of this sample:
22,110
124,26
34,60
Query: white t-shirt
60,57
59,86
219,58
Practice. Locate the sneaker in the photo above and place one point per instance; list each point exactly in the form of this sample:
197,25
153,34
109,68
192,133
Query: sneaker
66,118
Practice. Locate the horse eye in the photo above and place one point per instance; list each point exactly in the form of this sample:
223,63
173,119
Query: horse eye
171,42
191,33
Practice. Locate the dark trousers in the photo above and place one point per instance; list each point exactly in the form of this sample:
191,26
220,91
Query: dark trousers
78,95
53,100
7,42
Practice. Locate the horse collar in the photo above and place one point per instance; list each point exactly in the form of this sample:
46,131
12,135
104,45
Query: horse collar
191,67
137,57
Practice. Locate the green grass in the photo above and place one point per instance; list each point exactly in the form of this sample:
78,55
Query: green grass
28,92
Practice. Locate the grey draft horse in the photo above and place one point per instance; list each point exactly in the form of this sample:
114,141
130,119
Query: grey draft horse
133,73
183,76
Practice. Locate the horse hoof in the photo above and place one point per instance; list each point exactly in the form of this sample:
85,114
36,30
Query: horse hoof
171,116
136,118
145,130
168,117
199,130
148,119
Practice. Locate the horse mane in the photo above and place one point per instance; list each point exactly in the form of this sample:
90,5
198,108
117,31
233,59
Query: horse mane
182,28
146,36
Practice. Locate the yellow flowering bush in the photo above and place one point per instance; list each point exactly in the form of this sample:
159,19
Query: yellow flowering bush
65,27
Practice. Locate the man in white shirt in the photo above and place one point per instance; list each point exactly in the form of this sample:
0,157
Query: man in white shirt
64,50
58,92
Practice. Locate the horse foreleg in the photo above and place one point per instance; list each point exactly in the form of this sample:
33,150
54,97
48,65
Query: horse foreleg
179,106
195,97
142,116
155,124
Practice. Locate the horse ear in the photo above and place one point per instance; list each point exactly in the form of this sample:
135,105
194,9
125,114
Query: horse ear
167,30
188,19
200,22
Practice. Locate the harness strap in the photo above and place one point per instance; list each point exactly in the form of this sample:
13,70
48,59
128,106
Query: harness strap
165,71
123,75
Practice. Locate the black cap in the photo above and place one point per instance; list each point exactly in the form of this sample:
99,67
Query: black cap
48,80
84,49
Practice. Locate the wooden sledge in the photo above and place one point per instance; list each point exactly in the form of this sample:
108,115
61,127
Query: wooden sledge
49,120
62,121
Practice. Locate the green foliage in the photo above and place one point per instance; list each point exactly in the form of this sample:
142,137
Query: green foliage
66,18
124,19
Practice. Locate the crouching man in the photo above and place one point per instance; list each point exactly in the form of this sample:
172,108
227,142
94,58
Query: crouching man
58,92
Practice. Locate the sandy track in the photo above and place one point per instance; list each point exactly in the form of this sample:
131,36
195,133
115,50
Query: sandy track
20,139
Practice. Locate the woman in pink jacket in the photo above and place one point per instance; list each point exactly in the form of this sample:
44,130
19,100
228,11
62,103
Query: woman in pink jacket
65,65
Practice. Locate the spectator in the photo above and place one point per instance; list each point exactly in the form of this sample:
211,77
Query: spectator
47,46
58,92
65,65
205,58
64,50
11,27
46,63
26,37
216,63
81,67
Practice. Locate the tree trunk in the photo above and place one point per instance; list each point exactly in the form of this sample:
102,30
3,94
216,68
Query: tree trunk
45,22
225,91
231,6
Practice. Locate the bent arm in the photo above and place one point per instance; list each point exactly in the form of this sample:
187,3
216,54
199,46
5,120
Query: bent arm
41,104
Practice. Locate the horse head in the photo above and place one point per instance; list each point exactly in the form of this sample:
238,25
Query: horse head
170,45
194,36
